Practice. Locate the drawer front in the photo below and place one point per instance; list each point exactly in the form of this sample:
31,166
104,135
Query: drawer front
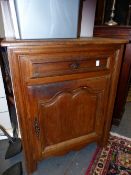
46,66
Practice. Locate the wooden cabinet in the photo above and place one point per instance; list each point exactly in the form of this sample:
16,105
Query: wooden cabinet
125,73
64,93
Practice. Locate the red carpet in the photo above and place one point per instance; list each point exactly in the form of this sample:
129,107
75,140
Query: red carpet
113,159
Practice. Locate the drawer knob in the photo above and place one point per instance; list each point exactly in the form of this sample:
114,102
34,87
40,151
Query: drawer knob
74,65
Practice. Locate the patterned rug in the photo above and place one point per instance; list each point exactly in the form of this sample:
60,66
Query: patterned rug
113,159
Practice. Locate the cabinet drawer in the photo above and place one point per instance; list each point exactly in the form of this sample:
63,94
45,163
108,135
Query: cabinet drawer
54,66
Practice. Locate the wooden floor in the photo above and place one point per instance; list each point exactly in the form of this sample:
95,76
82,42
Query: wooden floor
74,163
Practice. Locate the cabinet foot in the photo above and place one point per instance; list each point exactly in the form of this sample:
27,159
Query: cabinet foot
31,168
102,142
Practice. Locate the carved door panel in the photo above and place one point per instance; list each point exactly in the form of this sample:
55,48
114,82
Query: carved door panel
67,114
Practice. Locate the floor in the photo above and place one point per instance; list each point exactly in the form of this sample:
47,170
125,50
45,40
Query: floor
125,125
74,163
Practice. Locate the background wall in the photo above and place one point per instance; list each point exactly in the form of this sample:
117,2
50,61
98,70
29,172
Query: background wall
1,25
122,11
4,113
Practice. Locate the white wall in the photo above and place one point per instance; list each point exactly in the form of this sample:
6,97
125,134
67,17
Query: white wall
2,34
4,113
88,17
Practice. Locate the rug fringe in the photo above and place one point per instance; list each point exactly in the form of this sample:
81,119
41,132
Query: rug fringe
121,136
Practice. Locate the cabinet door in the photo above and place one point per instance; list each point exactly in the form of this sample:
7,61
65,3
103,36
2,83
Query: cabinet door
67,115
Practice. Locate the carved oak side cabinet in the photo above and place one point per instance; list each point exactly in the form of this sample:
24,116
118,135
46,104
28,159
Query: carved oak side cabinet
64,92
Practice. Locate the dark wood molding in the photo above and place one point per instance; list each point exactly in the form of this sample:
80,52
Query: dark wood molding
123,32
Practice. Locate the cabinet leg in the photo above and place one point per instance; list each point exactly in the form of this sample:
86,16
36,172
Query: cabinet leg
103,141
31,167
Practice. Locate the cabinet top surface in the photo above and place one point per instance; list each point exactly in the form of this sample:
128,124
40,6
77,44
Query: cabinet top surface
92,40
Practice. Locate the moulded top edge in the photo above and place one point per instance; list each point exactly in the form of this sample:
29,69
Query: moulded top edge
90,40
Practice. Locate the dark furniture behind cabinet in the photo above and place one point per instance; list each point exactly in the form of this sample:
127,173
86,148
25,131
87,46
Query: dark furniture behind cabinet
123,85
64,91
